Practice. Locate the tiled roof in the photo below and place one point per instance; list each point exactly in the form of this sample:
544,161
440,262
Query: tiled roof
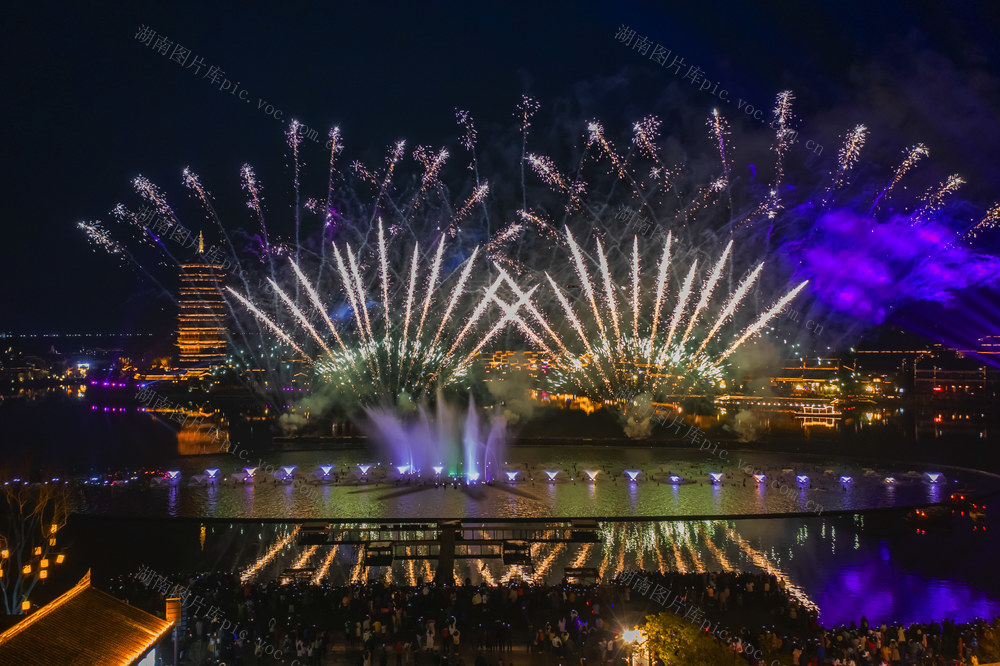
83,627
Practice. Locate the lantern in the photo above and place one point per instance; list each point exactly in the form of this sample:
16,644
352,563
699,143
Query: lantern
59,558
25,605
38,550
26,570
54,528
52,541
43,574
45,562
4,553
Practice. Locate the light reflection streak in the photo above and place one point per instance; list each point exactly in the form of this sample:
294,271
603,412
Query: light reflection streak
251,572
759,559
304,558
325,566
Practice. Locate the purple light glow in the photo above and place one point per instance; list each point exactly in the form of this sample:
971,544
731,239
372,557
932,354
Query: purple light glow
864,268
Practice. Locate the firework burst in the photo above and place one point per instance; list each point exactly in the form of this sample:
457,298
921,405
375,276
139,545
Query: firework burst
618,347
397,345
387,324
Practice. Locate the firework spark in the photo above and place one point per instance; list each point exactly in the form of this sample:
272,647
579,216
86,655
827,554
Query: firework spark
643,360
846,159
382,367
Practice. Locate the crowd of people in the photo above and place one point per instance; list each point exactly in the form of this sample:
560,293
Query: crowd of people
375,624
790,630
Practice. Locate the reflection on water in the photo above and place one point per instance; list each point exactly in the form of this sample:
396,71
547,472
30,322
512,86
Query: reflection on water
382,493
846,566
872,564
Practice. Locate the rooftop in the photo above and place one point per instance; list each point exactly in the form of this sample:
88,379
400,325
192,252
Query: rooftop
84,626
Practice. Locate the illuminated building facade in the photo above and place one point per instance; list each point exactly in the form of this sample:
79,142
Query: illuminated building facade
505,361
201,321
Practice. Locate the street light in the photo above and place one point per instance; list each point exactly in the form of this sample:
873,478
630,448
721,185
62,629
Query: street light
634,638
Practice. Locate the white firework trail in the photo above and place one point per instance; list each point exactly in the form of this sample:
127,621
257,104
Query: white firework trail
846,159
317,303
609,293
644,360
913,155
706,292
596,135
934,200
646,133
764,319
431,284
635,286
456,294
380,369
990,221
298,314
270,324
477,195
732,305
682,300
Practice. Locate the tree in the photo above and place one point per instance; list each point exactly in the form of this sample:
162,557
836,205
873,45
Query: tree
678,642
30,517
989,642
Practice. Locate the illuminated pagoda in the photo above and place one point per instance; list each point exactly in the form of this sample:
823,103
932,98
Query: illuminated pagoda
201,321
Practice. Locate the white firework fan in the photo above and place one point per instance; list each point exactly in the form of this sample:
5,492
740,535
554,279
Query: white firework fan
620,347
420,346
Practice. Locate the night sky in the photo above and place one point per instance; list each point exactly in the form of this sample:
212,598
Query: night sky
87,107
